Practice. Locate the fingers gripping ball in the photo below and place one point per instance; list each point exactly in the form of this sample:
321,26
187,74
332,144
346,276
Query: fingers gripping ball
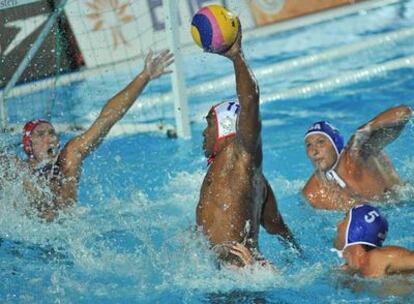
214,28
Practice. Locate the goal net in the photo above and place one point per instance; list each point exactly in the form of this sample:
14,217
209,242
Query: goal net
93,49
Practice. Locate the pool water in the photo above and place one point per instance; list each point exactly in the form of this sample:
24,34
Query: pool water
131,237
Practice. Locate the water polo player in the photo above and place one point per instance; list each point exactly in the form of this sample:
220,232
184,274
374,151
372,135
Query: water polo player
59,171
235,197
346,176
359,239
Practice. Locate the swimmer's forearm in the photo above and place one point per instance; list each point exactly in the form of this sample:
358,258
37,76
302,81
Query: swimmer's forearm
122,101
380,131
111,113
246,84
154,67
278,227
249,126
396,116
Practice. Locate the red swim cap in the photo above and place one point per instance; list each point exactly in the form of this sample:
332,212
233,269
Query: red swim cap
27,135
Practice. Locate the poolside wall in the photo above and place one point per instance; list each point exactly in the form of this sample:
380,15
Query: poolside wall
104,32
269,12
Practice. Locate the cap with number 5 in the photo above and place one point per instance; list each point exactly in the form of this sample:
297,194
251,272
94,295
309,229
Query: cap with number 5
366,226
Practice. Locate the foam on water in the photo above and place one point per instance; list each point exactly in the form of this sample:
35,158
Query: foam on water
128,242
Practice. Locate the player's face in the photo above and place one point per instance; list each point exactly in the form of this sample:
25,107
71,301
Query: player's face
320,151
209,134
45,142
339,242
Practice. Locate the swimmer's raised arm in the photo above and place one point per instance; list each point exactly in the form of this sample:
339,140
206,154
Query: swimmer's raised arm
249,124
372,137
118,105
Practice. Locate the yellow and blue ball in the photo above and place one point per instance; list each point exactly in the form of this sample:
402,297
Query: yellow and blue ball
214,28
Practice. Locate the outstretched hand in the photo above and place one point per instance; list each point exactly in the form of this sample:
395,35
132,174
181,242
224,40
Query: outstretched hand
157,66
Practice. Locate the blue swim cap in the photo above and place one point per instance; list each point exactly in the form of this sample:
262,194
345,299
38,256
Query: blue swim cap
327,129
366,226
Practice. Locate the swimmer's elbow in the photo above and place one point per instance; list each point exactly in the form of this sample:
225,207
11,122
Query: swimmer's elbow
399,115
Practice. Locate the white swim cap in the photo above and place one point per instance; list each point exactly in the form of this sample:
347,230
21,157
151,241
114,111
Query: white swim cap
226,114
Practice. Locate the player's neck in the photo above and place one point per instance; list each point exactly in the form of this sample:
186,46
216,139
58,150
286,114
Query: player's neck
220,146
224,143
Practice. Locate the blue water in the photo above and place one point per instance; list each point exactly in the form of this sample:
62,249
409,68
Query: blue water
130,239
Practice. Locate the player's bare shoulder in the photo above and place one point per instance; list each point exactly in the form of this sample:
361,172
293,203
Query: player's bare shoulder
311,187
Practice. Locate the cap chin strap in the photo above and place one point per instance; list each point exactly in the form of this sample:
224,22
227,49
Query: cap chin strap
340,253
211,158
331,174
